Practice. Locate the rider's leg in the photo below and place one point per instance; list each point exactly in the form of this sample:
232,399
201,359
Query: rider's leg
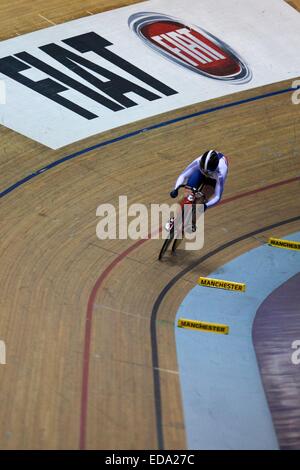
195,181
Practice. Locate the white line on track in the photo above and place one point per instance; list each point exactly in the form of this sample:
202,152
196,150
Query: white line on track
105,307
46,19
175,372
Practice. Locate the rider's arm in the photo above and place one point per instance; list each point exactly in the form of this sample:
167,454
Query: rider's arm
187,173
223,170
218,193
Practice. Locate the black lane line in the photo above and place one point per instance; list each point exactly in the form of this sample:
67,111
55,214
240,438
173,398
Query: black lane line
155,309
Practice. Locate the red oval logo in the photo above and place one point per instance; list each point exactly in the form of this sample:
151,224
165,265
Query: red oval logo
190,47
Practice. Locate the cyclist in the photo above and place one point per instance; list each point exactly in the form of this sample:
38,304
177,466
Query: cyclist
210,168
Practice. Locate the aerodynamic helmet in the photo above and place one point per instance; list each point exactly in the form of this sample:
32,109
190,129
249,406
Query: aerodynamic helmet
209,162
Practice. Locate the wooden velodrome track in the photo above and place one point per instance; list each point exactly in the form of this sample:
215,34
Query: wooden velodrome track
91,360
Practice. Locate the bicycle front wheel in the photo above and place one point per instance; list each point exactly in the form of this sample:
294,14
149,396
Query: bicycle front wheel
166,245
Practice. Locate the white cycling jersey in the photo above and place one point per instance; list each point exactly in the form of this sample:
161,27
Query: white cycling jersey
219,175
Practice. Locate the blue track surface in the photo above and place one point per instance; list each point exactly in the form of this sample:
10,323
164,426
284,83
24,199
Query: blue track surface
223,399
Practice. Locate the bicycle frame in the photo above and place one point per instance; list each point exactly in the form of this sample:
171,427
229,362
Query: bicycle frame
192,197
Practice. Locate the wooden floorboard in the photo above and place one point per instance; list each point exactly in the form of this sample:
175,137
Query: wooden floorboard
51,258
